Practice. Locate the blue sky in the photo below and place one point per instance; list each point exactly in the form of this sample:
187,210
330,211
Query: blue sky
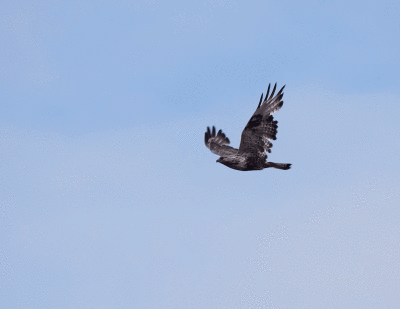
109,198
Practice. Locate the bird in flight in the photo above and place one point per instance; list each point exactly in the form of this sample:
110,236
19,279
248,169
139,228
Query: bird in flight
255,141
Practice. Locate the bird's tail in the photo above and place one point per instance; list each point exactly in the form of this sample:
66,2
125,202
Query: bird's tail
281,166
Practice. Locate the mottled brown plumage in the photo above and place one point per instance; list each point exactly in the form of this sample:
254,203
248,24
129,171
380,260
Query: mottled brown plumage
255,141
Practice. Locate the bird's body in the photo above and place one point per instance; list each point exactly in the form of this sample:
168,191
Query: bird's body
244,161
255,141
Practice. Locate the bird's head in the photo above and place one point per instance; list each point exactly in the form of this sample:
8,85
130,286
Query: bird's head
220,160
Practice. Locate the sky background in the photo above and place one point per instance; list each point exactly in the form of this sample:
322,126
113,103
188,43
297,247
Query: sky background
109,198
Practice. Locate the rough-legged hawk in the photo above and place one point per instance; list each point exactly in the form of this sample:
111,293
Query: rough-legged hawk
256,137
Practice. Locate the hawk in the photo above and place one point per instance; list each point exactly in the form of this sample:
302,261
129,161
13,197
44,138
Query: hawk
255,141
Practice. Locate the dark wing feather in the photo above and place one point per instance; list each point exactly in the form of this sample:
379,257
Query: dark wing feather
262,128
217,143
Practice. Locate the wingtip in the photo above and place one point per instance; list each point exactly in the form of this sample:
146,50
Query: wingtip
266,96
273,91
260,100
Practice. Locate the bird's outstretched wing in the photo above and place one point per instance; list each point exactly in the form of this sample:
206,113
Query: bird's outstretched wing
262,128
217,143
